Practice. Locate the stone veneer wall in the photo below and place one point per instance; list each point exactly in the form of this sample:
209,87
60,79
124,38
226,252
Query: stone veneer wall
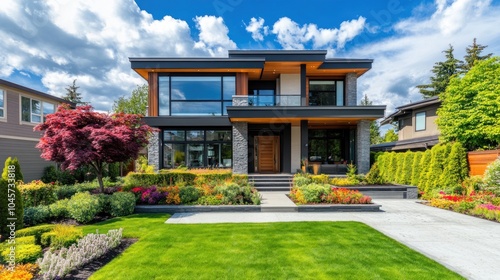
351,88
154,150
363,146
240,147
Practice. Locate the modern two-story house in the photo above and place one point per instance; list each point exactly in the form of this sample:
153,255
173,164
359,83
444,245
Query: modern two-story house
22,108
417,128
257,111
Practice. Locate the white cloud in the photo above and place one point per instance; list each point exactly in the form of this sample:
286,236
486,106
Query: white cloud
290,35
213,35
91,41
405,60
257,28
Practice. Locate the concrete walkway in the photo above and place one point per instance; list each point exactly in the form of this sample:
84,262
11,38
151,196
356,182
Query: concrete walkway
277,202
468,245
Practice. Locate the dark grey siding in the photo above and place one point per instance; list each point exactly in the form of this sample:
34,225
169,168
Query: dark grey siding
32,165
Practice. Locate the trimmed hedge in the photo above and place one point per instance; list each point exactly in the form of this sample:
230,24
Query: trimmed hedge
61,236
38,193
83,207
122,204
162,179
35,231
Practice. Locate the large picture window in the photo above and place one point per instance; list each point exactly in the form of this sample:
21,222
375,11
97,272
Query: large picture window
420,121
197,148
327,146
326,93
35,111
195,95
2,103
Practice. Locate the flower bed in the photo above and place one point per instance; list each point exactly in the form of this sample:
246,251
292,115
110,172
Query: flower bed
482,204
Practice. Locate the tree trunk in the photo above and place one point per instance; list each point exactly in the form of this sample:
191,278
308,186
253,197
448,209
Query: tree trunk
99,179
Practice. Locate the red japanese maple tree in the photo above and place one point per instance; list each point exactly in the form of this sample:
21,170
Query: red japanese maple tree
78,137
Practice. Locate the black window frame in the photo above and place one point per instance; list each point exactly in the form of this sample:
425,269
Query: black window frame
425,120
335,95
222,101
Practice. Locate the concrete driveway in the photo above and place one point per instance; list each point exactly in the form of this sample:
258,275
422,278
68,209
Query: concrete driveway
468,245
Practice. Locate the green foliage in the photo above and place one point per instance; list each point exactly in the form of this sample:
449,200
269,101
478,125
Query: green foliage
122,204
10,197
321,179
405,177
35,231
61,236
136,104
73,95
374,126
233,194
38,193
189,194
18,175
300,180
142,165
456,168
416,168
313,192
25,253
425,164
390,136
374,177
162,179
83,207
442,71
473,184
391,167
400,159
439,155
36,215
472,56
59,209
492,177
469,112
382,162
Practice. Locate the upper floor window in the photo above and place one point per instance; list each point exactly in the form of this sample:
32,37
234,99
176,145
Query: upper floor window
2,103
420,121
195,95
35,111
326,93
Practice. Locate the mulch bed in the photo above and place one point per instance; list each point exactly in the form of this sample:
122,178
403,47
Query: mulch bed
87,270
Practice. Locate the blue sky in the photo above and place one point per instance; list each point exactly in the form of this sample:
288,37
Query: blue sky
47,44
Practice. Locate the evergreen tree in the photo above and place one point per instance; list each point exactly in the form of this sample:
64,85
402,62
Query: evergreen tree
443,71
416,168
440,154
17,169
390,136
73,95
375,137
473,54
405,178
424,169
400,159
456,169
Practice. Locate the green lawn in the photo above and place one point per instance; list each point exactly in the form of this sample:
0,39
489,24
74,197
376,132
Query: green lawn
301,250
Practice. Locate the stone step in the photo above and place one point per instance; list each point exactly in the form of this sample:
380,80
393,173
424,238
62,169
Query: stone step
273,189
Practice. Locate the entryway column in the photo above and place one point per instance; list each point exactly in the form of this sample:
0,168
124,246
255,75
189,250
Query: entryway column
240,147
363,147
351,80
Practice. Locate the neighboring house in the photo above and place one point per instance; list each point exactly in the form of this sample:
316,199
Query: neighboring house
258,111
417,128
22,108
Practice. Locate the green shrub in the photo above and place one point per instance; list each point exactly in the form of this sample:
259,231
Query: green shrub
424,167
240,179
313,192
405,178
26,240
61,236
25,253
18,175
35,231
398,177
189,194
8,202
59,209
473,184
416,168
338,181
455,168
374,177
163,179
492,177
36,215
300,180
210,200
320,179
440,154
68,191
122,204
83,207
38,193
392,166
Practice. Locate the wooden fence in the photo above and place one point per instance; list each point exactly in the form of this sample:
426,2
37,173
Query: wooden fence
478,161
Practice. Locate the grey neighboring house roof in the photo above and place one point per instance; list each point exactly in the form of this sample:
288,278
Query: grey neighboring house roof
35,92
402,110
420,143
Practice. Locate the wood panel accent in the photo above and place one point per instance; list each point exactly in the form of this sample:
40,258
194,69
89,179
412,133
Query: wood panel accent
307,91
479,161
268,154
241,83
153,94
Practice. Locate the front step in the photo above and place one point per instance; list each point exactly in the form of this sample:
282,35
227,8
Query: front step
277,182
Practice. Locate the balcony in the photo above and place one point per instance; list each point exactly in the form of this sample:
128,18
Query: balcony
266,100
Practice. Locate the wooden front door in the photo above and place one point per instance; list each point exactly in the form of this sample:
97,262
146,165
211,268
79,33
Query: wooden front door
268,154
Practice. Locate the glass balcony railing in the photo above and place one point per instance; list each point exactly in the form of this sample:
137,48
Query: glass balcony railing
266,100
